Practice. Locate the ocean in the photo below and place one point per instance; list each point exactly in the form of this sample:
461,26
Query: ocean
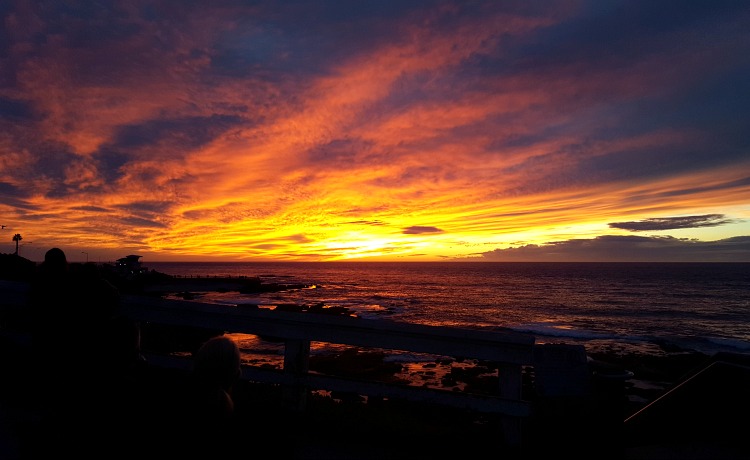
646,308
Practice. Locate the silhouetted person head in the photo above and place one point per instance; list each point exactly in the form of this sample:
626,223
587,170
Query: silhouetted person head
55,261
211,422
217,362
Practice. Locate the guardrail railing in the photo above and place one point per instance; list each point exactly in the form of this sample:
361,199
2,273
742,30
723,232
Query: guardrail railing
510,351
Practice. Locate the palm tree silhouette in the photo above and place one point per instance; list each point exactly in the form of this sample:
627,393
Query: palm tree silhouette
17,237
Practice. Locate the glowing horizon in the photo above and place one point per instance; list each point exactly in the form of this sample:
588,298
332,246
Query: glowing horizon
338,131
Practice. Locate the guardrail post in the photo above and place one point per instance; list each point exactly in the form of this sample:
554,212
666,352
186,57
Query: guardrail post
296,366
510,387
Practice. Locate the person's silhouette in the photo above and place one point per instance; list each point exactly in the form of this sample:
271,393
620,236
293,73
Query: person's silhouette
51,294
83,350
209,411
216,369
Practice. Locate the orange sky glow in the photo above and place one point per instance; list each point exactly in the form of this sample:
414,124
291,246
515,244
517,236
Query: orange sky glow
329,131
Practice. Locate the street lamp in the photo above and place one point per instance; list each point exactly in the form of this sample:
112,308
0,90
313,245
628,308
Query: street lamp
87,256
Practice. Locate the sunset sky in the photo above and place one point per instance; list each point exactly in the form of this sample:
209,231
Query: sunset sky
376,130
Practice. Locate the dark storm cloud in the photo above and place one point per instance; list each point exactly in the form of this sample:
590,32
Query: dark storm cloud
610,40
149,207
15,110
140,223
90,208
670,223
340,153
110,162
13,196
420,230
180,134
8,191
303,38
618,33
628,249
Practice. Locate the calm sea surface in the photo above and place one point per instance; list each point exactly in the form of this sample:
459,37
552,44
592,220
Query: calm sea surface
621,307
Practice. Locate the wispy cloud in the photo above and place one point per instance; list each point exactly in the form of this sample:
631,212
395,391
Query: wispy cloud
420,230
333,130
628,249
670,223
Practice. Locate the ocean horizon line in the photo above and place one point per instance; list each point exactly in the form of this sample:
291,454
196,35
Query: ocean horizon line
438,262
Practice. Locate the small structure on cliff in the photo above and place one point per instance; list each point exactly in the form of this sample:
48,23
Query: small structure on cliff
130,266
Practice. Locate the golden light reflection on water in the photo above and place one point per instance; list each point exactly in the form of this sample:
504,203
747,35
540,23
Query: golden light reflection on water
436,372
